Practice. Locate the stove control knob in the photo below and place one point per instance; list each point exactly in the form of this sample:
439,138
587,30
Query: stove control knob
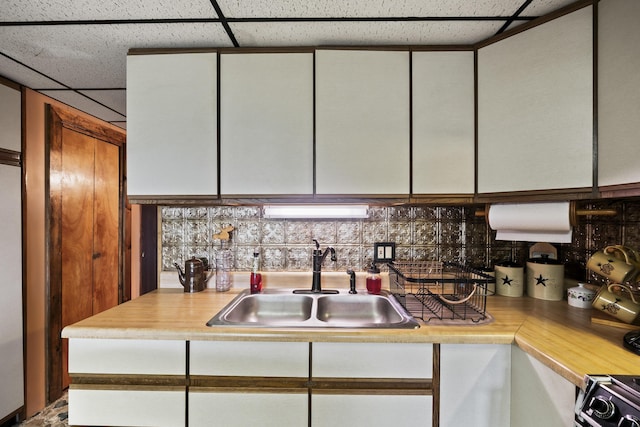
602,408
629,421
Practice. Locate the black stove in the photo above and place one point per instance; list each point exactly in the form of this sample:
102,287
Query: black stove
609,400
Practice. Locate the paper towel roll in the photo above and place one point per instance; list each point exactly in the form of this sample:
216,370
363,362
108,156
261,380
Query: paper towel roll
532,222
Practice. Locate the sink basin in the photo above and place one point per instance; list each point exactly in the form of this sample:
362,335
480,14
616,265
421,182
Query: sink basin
357,310
271,309
282,308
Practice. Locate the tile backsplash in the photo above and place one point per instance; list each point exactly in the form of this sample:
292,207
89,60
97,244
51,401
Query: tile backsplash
421,233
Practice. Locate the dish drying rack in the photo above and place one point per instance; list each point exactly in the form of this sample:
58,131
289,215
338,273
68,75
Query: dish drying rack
440,290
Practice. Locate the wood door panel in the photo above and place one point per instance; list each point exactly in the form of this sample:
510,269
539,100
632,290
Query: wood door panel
106,274
76,183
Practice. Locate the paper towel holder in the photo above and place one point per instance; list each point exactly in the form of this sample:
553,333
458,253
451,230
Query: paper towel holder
574,212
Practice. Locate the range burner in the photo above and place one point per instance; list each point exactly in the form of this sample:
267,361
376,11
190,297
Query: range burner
609,400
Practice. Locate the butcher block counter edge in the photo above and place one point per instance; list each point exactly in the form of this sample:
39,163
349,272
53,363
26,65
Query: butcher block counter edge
561,337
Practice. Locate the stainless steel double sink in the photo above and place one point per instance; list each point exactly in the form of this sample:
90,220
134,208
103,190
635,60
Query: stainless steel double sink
281,308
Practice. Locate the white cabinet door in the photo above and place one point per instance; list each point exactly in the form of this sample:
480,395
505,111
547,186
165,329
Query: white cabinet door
10,118
217,406
535,108
362,122
133,397
475,384
172,125
266,124
11,340
372,360
618,97
333,410
249,358
381,407
215,409
537,390
443,122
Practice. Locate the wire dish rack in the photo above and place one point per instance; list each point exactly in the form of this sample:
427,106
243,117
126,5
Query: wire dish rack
440,290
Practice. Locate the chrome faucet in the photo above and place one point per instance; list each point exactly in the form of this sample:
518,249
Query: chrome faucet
318,259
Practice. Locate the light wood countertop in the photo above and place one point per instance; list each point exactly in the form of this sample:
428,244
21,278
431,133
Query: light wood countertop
560,336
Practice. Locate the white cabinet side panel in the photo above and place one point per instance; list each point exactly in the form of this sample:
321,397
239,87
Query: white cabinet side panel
618,94
248,409
266,123
536,389
10,119
11,361
475,385
443,122
172,124
535,107
249,358
362,122
126,408
372,360
371,411
120,356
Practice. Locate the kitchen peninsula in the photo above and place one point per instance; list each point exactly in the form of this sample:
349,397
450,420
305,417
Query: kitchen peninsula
171,326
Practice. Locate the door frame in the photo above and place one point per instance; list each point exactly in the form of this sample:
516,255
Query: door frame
57,119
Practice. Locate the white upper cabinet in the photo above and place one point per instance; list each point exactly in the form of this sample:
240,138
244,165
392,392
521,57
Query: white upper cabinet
10,118
443,122
535,108
618,95
362,122
266,124
172,124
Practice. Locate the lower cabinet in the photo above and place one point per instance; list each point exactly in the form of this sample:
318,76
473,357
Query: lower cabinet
236,383
118,382
246,383
371,384
210,408
475,387
370,410
536,389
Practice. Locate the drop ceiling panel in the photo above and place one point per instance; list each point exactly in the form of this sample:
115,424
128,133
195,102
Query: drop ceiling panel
84,104
58,10
114,99
362,33
21,74
94,56
542,7
366,8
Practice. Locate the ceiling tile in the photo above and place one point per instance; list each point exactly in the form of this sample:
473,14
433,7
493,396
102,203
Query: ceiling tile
23,75
85,104
362,33
58,10
122,125
366,8
543,7
94,56
114,99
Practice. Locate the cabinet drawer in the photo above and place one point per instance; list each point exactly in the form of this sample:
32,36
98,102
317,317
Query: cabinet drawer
370,411
372,360
243,358
116,356
127,408
208,409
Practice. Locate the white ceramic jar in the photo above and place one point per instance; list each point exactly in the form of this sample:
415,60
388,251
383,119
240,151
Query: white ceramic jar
580,296
545,279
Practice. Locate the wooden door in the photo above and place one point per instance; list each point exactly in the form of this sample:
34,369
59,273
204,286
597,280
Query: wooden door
85,221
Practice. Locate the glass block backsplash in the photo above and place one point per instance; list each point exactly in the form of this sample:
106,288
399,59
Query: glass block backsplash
420,232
